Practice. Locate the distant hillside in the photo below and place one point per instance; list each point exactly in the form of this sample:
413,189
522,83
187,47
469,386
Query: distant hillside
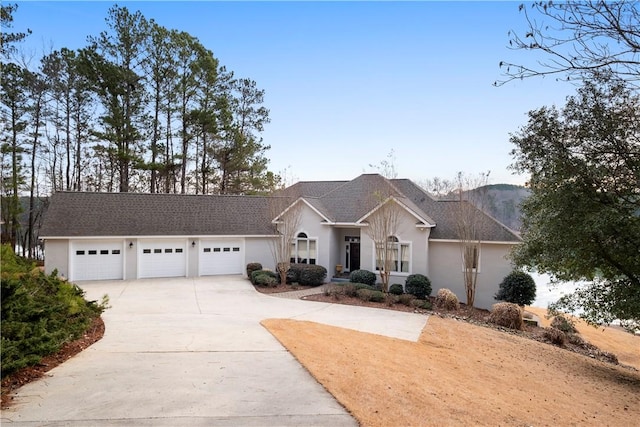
503,203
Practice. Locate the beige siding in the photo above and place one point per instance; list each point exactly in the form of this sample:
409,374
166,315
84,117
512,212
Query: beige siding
445,265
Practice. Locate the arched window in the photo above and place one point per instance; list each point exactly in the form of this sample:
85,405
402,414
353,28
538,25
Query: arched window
303,249
398,254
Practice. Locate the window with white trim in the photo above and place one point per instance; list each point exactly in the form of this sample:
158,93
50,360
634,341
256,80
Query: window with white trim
400,253
303,249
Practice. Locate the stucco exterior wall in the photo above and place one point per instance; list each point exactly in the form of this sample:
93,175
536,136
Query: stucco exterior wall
340,245
407,233
445,266
311,224
131,259
258,249
56,255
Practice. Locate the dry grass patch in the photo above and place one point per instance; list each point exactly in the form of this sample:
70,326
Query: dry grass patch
460,374
614,340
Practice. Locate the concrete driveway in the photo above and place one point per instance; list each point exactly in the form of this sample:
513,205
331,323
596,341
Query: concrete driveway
192,352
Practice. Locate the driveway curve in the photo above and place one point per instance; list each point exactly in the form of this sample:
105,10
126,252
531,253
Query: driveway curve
191,351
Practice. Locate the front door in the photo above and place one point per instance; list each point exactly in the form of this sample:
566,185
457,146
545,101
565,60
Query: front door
354,256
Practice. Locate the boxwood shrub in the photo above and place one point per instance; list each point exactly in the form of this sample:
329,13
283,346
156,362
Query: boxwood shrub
418,285
306,274
363,276
251,267
396,289
517,287
264,278
369,295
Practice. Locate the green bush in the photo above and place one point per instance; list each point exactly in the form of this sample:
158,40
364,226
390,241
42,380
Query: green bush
349,289
518,288
264,278
423,304
363,276
312,275
369,295
406,299
253,266
396,289
365,286
418,285
306,274
39,312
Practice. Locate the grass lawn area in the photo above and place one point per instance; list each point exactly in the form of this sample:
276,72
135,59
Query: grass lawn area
460,374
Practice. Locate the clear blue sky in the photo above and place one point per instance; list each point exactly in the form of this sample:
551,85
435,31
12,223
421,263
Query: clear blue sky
347,82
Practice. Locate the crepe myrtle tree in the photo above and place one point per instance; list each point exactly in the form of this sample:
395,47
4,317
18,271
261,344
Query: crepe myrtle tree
471,200
287,214
382,225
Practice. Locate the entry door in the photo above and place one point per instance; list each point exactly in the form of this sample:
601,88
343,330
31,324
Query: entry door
354,256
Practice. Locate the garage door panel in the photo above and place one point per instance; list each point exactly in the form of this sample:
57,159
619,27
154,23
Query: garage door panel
97,260
162,258
221,257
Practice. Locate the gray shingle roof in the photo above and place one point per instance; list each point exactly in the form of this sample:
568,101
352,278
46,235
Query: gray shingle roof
133,214
349,201
444,214
75,214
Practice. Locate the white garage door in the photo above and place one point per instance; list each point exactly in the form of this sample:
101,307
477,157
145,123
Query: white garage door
220,257
162,258
96,260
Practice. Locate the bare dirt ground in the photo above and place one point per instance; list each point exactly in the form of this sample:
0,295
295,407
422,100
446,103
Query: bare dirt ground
460,373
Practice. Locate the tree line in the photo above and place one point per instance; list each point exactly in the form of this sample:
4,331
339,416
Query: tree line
140,108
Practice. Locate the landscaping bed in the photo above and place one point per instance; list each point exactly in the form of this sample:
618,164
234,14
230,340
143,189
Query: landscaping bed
573,342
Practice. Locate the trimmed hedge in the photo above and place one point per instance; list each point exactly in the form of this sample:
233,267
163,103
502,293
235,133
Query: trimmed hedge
306,274
363,276
418,285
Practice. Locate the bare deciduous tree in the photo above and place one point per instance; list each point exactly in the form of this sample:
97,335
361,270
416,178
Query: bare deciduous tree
469,223
286,214
576,39
382,225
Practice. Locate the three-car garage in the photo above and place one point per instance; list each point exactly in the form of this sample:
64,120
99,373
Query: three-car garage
149,258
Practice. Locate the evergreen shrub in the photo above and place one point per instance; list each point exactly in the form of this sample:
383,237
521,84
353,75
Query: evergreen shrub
517,287
396,289
363,276
418,285
40,312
